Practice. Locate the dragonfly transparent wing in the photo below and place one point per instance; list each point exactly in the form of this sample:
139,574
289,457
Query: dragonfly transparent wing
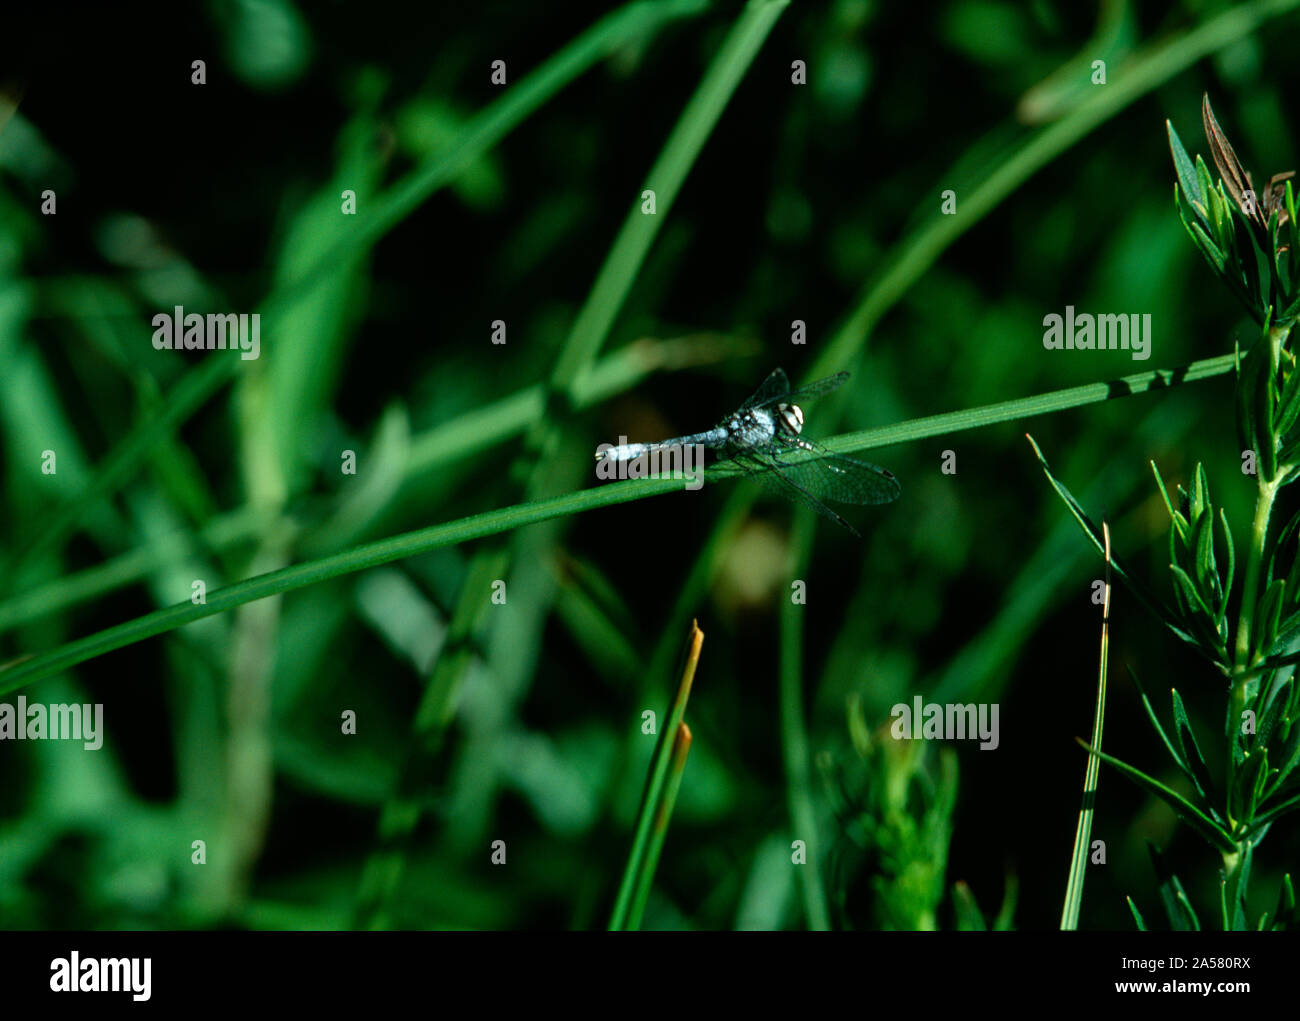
772,389
818,387
842,479
769,473
776,390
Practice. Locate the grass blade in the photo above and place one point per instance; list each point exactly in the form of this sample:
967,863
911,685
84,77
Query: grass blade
665,178
1079,864
794,735
663,814
653,813
33,667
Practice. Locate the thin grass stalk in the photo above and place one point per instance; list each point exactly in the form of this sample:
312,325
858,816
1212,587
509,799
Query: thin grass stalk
666,176
1092,772
794,733
663,815
656,779
27,669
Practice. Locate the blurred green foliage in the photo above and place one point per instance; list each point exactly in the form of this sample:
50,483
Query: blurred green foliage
975,586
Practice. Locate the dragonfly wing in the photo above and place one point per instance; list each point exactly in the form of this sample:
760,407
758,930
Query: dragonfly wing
818,387
772,476
842,479
776,390
773,389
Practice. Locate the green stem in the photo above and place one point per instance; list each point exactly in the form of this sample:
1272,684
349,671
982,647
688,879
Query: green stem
1245,680
1259,532
1250,582
1233,877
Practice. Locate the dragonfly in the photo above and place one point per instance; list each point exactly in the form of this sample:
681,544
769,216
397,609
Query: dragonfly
764,438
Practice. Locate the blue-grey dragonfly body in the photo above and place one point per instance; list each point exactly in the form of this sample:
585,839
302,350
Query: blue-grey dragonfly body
764,434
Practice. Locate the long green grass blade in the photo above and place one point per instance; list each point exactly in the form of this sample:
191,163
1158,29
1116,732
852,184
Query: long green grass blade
1082,835
385,551
665,179
794,734
639,872
663,815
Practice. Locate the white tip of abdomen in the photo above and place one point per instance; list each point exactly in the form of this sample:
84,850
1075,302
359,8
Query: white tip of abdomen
621,452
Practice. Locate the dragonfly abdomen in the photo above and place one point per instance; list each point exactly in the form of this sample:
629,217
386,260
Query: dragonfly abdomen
713,439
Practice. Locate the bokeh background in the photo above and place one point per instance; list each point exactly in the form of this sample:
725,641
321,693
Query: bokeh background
816,202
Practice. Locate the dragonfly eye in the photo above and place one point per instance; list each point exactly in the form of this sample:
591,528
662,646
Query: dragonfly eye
791,418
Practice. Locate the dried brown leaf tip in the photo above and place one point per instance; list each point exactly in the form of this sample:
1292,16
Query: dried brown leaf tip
1236,179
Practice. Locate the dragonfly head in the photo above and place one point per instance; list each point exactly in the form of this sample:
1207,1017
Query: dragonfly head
790,418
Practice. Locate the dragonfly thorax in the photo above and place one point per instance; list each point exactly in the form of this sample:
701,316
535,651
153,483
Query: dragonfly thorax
752,428
759,426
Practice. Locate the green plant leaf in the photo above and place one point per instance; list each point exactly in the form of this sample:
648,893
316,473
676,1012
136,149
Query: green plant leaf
1197,615
1285,916
1279,543
1215,212
1272,713
1180,542
1214,255
1174,516
1234,889
1152,605
1288,407
1246,784
1271,663
1206,576
1287,761
1191,751
1200,495
1178,909
966,910
1275,812
1259,278
1213,833
1187,174
1189,213
1267,617
1137,915
1291,311
1288,455
1155,722
1230,556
